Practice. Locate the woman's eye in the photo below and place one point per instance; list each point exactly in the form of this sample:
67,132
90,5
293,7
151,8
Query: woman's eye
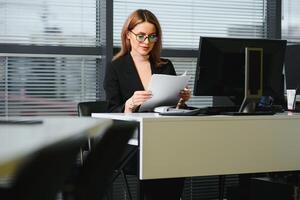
141,37
152,37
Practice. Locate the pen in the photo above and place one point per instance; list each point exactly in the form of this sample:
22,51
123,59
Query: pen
179,104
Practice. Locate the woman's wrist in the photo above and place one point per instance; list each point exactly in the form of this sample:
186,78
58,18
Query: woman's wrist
129,106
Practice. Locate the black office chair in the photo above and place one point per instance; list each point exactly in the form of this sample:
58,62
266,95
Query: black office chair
96,174
86,109
44,173
89,107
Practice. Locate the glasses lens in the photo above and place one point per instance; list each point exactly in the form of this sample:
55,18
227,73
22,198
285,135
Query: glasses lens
152,38
140,38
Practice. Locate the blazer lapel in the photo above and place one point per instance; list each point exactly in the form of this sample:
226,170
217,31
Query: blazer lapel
132,74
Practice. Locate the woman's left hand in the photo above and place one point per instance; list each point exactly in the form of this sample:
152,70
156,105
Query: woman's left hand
185,94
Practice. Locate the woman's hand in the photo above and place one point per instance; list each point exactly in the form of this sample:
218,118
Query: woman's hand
136,100
184,95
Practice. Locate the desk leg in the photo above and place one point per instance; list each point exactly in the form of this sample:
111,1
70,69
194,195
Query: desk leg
221,186
140,190
140,184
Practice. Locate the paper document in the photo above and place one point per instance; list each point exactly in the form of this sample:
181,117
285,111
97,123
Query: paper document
165,90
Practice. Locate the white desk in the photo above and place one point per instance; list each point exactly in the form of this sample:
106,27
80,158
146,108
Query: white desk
214,145
19,141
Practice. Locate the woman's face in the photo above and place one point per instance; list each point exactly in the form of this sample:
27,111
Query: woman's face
142,38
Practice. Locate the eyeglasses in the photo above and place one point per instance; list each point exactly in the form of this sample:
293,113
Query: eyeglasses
142,37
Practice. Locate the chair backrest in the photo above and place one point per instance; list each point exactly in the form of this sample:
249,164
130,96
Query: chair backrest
43,175
97,172
89,107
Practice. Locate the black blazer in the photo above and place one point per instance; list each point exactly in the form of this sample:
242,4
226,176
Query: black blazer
122,80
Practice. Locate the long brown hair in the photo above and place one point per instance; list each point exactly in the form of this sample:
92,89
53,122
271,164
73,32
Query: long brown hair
138,17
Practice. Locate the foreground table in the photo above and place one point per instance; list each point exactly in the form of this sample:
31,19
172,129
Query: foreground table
18,141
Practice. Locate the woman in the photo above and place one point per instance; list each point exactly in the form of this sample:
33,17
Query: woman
127,80
128,76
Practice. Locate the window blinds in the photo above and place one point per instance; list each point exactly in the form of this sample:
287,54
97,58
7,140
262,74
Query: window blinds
290,21
184,21
49,22
46,85
35,83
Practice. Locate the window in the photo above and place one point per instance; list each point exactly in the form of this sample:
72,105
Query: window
51,55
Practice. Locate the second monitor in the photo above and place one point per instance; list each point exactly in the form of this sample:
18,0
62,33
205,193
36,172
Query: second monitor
221,68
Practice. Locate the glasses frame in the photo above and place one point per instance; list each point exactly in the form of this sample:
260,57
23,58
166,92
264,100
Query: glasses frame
145,37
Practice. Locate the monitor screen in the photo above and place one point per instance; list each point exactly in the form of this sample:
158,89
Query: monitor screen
221,67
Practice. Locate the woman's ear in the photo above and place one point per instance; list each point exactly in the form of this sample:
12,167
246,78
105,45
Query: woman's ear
127,35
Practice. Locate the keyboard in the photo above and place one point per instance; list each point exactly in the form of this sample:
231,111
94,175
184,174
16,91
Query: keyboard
194,111
220,110
181,112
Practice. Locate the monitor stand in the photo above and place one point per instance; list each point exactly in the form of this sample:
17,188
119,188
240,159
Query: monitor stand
253,87
248,106
253,79
253,82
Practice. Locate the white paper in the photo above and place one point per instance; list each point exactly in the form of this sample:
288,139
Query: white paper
165,90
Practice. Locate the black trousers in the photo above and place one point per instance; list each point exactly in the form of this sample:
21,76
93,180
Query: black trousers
162,189
156,189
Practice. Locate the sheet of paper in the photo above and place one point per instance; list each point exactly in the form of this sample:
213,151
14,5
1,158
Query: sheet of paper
165,90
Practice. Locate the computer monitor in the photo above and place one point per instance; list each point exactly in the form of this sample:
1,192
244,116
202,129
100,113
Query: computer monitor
221,68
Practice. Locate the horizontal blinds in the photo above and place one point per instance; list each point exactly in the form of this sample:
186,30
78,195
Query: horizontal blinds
184,21
49,22
46,85
290,21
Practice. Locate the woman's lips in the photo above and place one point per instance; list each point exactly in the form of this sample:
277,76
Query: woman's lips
145,48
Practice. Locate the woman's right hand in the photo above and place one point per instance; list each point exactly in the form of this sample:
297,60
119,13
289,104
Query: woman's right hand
138,98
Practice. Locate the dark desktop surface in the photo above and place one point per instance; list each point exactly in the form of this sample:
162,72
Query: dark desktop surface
234,110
